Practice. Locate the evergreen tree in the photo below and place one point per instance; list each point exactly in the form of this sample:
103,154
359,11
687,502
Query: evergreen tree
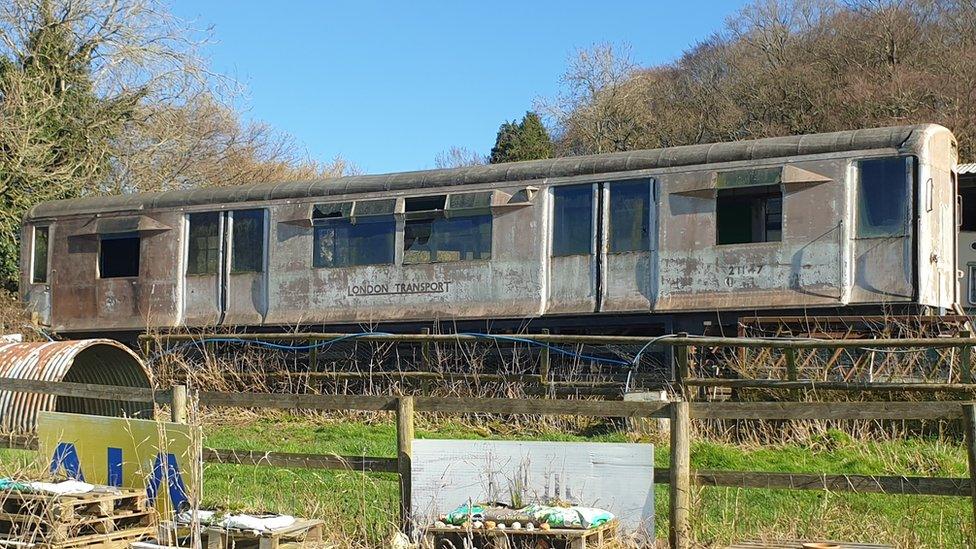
56,132
525,140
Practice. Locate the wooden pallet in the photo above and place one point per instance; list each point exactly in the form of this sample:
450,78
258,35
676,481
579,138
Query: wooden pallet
798,544
100,503
302,531
106,517
37,527
571,538
112,540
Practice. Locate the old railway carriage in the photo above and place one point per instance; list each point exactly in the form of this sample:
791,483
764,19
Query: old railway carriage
645,241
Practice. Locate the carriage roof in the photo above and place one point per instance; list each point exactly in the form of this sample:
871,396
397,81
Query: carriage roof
897,137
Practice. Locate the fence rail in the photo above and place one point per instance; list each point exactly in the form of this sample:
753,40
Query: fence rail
679,476
682,346
86,390
845,386
879,484
677,340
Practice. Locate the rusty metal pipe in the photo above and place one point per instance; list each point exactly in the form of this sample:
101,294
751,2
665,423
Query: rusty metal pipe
96,361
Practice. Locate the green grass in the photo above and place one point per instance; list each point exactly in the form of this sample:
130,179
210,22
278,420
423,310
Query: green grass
363,506
721,514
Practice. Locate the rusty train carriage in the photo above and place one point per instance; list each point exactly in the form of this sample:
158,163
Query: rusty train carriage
657,240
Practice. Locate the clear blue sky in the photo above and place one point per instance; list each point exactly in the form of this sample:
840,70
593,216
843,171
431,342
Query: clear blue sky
388,85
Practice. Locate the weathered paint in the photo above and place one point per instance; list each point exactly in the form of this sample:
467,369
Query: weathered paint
99,361
818,263
892,138
937,226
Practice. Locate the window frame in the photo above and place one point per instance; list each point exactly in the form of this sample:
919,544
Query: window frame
967,209
445,214
971,298
263,225
910,165
646,225
47,255
119,236
189,227
593,201
321,224
764,194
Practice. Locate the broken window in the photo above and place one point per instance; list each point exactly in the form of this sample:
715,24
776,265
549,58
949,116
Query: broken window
572,211
203,245
118,255
39,265
749,214
882,197
629,216
339,242
247,251
432,234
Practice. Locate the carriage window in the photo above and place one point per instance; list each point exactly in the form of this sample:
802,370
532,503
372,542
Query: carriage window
572,213
247,251
882,197
203,245
629,216
118,256
749,214
340,243
968,197
431,237
39,265
972,284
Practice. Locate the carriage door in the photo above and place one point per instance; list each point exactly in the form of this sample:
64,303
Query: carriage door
226,268
883,236
573,262
627,263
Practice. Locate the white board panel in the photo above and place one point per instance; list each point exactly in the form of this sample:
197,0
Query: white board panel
615,477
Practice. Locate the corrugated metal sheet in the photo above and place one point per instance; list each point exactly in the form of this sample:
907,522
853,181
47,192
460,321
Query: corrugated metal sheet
823,143
99,361
962,169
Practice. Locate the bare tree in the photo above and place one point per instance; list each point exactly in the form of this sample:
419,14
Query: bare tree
782,67
458,157
598,110
72,75
111,96
204,143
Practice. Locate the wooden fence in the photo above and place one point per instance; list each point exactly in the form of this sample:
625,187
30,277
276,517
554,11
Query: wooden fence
679,475
682,346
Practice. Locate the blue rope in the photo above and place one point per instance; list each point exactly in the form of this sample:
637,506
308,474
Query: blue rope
295,348
558,350
265,344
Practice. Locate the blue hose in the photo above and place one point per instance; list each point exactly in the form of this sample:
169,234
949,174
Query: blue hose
308,347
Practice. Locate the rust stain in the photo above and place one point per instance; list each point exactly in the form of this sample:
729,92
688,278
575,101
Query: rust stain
99,361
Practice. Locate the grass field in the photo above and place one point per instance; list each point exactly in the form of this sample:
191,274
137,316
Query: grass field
362,507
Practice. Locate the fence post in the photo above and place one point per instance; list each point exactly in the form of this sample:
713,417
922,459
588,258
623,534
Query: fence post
313,355
544,360
680,489
425,350
969,420
791,373
684,370
404,458
177,407
965,360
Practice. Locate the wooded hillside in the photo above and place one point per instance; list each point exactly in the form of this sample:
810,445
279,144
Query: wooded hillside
781,68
